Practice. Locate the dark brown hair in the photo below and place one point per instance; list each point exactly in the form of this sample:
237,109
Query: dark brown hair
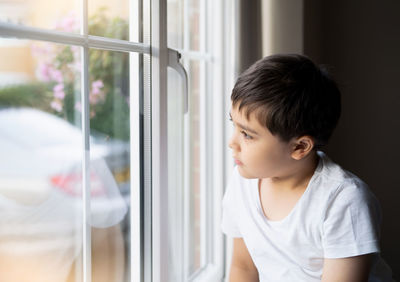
291,96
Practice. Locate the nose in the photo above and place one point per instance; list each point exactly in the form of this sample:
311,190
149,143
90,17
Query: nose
233,143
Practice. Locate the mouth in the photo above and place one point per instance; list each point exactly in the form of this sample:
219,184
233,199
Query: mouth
238,162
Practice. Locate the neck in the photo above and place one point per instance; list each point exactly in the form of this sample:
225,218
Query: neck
301,173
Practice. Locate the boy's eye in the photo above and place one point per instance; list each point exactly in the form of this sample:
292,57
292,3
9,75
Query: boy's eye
243,132
246,135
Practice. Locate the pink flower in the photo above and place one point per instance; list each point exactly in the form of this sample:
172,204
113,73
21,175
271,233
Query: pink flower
96,86
59,87
56,75
59,95
96,94
56,105
58,91
43,72
69,23
95,91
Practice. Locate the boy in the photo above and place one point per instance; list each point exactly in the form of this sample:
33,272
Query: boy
294,214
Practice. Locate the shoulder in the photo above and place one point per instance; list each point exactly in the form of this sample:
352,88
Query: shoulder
342,183
343,190
352,215
352,194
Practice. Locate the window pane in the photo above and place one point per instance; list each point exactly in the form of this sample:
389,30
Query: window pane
184,29
110,164
195,168
40,167
109,18
175,24
176,177
184,176
55,15
194,24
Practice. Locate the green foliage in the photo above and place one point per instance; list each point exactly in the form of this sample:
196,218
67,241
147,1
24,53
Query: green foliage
35,95
101,25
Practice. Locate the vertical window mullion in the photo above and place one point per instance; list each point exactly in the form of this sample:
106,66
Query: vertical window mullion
87,254
135,133
187,154
159,130
217,47
147,145
204,159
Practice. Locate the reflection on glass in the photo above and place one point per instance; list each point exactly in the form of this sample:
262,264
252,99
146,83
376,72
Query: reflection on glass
109,18
110,164
41,155
57,15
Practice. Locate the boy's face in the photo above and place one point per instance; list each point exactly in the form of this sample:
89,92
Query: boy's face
260,154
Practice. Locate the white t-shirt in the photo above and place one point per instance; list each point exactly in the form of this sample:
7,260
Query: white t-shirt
336,217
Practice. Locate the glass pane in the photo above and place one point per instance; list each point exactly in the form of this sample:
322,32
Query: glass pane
194,25
184,176
40,164
175,23
55,15
184,30
176,172
109,18
110,164
195,168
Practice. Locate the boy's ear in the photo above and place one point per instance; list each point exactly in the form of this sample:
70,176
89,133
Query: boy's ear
302,146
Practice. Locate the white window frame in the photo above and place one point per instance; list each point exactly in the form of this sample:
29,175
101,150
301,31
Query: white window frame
149,245
217,55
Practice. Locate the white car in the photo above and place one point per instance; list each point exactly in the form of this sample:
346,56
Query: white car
41,185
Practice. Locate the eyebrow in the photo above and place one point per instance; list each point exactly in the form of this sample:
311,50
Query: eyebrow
245,127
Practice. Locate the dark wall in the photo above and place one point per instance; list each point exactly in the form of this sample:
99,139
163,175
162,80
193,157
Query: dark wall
360,40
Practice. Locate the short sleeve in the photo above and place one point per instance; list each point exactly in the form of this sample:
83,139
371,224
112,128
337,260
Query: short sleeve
351,223
229,217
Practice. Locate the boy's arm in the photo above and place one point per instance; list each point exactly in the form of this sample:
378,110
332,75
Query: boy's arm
351,269
242,266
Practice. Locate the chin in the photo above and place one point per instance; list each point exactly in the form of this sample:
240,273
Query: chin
244,173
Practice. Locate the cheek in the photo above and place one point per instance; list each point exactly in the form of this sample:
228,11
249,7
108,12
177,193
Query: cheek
255,156
267,157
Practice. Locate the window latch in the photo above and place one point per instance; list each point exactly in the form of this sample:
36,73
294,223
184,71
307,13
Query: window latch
173,62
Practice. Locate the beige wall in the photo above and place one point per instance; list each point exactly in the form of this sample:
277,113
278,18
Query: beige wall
281,35
361,42
16,59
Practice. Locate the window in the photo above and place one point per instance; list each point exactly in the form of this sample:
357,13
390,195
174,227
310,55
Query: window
198,30
71,78
106,176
